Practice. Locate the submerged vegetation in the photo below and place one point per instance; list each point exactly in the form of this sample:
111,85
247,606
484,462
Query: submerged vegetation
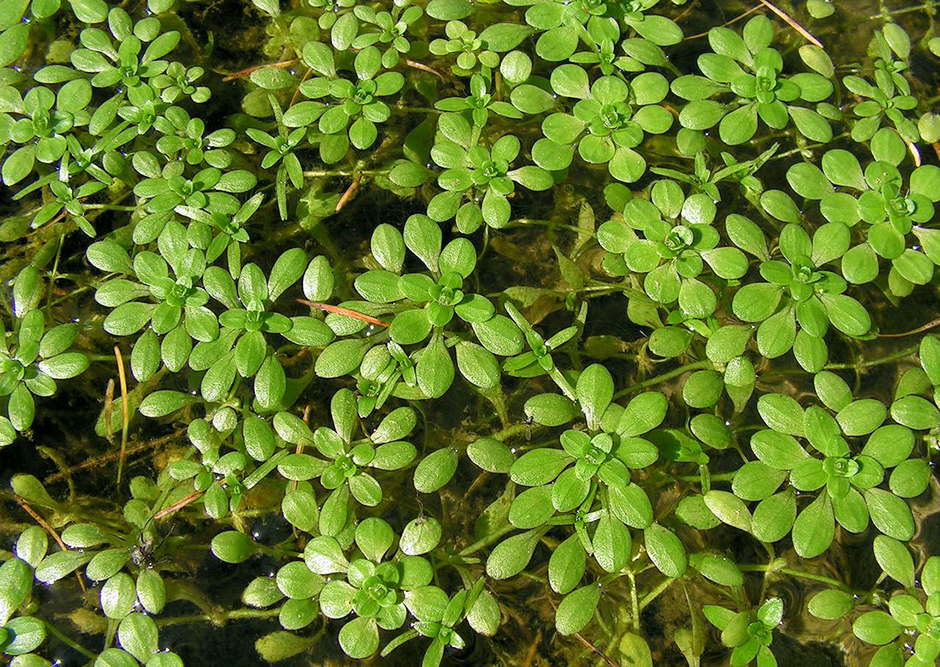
521,332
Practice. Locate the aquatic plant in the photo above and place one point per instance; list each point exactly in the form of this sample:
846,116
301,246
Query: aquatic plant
413,324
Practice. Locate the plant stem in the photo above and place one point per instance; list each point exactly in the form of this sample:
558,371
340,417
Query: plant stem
653,594
486,541
803,575
318,173
417,110
509,431
219,618
523,222
695,366
634,601
720,477
906,352
67,641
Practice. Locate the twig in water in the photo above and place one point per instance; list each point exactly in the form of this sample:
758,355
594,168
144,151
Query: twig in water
125,409
530,654
296,96
350,191
686,11
595,649
178,505
929,325
98,460
249,70
793,24
108,409
726,24
344,311
49,529
424,68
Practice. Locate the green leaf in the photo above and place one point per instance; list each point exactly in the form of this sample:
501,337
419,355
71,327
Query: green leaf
594,390
701,114
60,564
25,634
550,409
164,402
532,507
669,341
756,480
895,560
359,638
645,412
341,357
910,478
420,536
631,505
842,168
612,543
449,10
530,99
739,126
876,627
729,508
774,516
702,389
915,412
502,37
717,568
814,528
15,582
727,343
747,235
831,604
232,546
13,44
755,302
781,413
539,466
90,11
890,514
323,555
570,81
423,238
665,550
566,565
491,455
118,596
846,314
557,44
435,369
511,556
435,470
576,610
808,181
862,417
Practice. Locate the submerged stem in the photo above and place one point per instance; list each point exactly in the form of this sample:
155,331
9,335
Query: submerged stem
71,643
695,366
